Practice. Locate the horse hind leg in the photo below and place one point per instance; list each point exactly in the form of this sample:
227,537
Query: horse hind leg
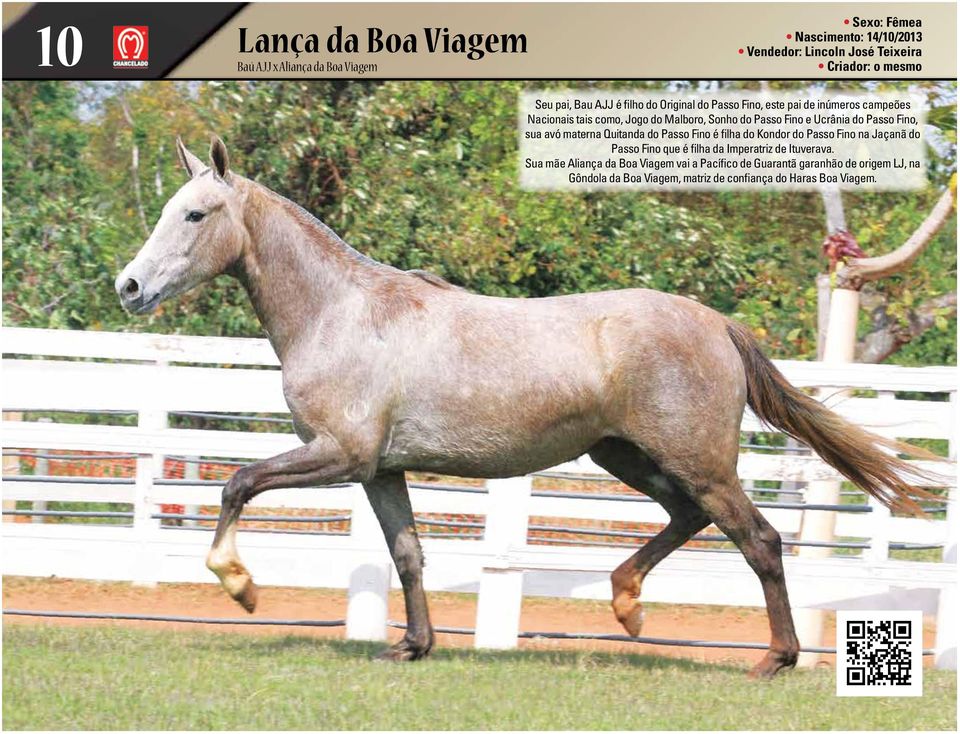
692,504
737,517
631,466
627,578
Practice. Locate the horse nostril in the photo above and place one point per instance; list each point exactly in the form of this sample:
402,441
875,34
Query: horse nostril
131,289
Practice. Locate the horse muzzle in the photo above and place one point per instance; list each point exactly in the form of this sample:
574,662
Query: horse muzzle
134,297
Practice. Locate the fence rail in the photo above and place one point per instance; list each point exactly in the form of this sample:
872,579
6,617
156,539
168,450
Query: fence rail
547,635
501,558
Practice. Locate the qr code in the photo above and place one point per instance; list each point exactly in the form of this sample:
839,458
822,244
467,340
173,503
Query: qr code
879,653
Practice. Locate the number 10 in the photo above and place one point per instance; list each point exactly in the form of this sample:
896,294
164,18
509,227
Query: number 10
61,46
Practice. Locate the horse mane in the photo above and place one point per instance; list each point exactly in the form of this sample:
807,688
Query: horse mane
433,279
316,230
396,293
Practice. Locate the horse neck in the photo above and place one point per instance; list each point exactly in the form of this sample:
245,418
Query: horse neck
296,270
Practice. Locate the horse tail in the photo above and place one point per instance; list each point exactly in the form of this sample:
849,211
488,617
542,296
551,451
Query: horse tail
857,454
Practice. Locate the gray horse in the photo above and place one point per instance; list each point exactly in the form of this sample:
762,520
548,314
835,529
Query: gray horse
387,371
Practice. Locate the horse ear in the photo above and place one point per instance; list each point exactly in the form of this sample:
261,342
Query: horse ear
191,164
219,159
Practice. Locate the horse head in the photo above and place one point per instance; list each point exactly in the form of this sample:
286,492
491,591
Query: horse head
199,235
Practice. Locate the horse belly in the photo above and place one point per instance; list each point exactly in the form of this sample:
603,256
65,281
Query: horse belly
482,450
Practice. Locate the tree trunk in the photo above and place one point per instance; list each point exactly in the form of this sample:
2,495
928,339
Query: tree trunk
889,335
135,164
833,205
859,270
158,174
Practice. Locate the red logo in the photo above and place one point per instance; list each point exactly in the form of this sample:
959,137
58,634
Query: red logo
130,46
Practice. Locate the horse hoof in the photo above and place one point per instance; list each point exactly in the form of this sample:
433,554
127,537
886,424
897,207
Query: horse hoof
633,621
247,596
402,652
762,672
392,655
772,664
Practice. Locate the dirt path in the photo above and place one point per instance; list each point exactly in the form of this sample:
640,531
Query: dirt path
449,610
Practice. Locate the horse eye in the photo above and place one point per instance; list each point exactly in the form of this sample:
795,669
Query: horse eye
195,216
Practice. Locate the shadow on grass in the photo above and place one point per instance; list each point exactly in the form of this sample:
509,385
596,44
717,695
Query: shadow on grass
367,651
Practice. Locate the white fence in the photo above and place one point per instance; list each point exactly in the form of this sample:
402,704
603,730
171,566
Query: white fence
159,375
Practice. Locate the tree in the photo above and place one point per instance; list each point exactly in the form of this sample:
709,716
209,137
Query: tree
889,333
51,222
422,174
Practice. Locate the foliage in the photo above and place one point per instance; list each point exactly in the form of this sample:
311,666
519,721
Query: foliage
420,175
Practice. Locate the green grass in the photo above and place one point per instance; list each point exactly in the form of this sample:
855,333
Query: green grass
110,677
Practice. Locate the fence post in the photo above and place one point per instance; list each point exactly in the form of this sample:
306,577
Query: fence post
41,469
881,518
953,516
369,588
948,606
945,646
11,465
792,486
146,527
815,525
880,527
838,343
501,587
191,470
823,311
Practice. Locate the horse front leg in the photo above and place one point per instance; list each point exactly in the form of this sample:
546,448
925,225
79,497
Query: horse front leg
322,461
390,500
